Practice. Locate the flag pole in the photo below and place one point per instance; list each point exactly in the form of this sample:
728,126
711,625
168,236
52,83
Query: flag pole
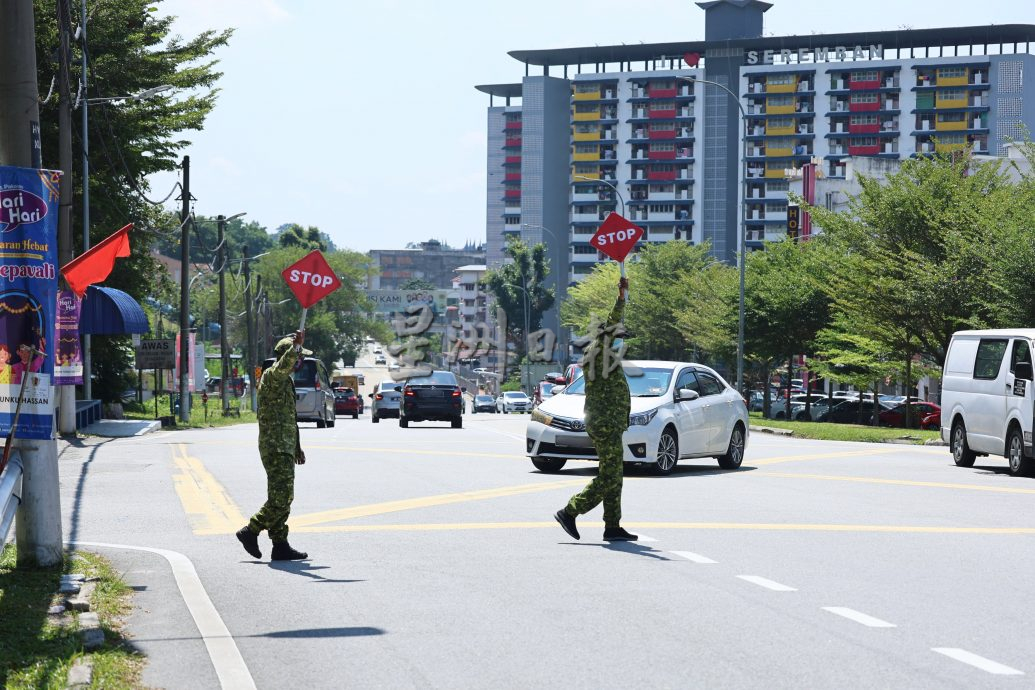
301,325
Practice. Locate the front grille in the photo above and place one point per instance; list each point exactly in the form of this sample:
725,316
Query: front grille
568,424
569,451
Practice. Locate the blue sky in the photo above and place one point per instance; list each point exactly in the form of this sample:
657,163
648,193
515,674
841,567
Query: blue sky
361,118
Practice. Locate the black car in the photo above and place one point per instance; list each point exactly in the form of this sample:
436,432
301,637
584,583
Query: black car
484,403
849,412
435,397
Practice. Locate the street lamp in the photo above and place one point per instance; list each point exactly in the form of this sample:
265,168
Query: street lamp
147,93
740,235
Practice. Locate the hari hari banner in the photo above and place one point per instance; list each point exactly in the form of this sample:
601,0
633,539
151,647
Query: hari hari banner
28,298
68,357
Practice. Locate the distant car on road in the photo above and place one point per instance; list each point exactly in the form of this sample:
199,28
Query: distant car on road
380,359
513,401
346,402
435,397
385,400
484,403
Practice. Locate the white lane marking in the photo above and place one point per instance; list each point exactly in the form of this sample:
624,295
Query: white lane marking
858,617
768,584
222,650
695,557
976,661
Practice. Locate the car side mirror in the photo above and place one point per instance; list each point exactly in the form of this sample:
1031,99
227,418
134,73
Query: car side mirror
685,394
1022,370
556,389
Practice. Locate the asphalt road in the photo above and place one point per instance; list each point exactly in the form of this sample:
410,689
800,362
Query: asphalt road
436,563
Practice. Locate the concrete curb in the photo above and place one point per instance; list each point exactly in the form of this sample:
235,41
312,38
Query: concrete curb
772,430
121,428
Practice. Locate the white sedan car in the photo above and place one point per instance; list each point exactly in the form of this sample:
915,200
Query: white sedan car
513,401
678,410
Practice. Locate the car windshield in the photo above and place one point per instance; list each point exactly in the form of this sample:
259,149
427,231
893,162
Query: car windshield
513,394
305,374
649,383
435,378
388,385
484,398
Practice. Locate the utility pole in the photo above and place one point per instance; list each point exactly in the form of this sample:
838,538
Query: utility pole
250,360
224,362
185,294
66,393
38,530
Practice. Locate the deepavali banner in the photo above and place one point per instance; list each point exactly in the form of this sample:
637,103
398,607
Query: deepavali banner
68,362
28,298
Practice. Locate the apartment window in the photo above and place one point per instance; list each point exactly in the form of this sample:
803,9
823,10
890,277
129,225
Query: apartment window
781,143
780,99
778,186
587,88
779,79
869,75
662,105
587,108
512,220
952,117
662,147
660,189
776,208
864,119
662,126
585,148
864,98
661,167
585,169
951,72
951,139
662,84
781,123
584,249
951,95
863,141
775,165
585,129
661,208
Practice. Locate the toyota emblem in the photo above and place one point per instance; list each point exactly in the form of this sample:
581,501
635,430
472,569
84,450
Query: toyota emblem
577,425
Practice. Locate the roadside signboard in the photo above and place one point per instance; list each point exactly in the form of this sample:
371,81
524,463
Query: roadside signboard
156,354
311,279
616,237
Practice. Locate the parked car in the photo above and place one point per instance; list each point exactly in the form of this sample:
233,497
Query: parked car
817,408
384,401
850,411
513,401
678,410
435,397
572,372
347,402
483,403
932,422
896,416
314,397
543,391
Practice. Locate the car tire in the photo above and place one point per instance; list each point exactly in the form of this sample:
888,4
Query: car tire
404,423
668,452
734,455
374,418
548,464
1019,464
320,423
962,455
457,422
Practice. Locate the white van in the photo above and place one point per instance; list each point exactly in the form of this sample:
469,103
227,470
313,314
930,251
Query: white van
987,394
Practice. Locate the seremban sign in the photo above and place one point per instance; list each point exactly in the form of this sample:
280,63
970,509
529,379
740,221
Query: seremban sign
788,56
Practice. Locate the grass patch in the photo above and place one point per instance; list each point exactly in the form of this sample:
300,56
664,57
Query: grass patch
37,650
826,431
198,420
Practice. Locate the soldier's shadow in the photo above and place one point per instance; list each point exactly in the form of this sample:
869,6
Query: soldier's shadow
304,569
630,547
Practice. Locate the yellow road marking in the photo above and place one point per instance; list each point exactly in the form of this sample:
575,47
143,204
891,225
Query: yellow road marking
899,482
425,502
209,508
745,526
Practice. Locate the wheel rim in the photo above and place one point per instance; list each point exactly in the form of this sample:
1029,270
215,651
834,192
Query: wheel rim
737,447
1016,452
957,443
666,452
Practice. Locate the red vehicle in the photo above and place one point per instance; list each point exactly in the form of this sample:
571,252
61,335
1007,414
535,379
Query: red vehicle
347,402
896,416
932,421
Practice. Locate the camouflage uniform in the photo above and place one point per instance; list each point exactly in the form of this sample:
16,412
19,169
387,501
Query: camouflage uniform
607,418
278,442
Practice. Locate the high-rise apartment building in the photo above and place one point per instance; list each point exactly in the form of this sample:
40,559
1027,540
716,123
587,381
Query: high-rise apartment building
697,141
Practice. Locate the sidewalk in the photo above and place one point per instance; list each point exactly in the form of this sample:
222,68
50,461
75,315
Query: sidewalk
121,428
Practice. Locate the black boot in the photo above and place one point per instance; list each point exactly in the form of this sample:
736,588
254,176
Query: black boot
250,541
567,522
282,551
618,534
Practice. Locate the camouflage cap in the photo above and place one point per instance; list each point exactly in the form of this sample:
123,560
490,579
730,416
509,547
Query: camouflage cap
285,344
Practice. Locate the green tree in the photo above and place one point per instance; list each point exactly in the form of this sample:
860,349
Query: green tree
527,272
417,284
310,238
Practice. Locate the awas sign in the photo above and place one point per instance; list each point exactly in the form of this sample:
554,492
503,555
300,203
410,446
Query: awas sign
616,237
311,279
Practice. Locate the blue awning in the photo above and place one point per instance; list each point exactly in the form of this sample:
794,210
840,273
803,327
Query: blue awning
107,311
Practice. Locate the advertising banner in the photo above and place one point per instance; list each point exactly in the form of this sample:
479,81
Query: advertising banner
68,363
28,297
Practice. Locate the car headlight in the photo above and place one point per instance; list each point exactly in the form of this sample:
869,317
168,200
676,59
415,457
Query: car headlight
642,418
541,417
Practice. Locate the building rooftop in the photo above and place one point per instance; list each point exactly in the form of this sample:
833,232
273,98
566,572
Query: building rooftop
472,267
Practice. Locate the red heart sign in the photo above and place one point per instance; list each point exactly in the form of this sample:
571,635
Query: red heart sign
692,59
616,237
311,279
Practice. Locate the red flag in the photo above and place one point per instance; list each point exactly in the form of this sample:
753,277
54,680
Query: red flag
95,264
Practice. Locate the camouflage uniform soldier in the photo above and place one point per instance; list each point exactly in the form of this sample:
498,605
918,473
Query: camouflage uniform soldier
280,451
607,418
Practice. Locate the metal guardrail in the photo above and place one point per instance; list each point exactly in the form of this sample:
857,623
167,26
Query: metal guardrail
10,493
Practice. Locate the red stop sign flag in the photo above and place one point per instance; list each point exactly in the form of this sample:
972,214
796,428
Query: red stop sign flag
311,279
616,237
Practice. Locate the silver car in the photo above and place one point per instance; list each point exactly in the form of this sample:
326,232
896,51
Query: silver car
385,400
